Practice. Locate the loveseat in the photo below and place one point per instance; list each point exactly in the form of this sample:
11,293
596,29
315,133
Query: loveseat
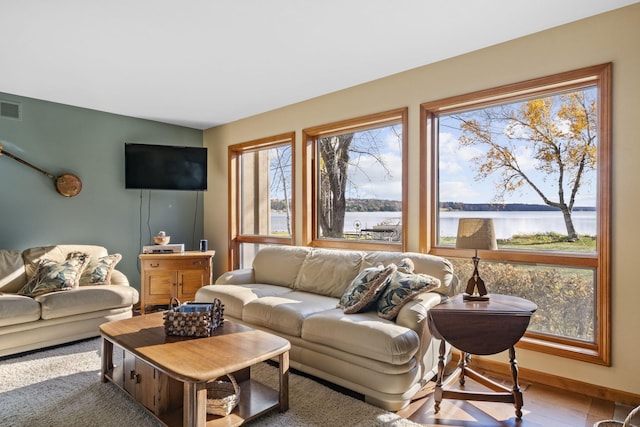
303,294
60,309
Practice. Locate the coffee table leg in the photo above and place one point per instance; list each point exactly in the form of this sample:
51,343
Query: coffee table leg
194,411
284,381
107,358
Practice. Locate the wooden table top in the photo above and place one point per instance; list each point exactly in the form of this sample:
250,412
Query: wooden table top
497,304
232,347
481,327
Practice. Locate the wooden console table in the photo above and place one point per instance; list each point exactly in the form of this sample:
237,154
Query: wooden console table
481,328
177,275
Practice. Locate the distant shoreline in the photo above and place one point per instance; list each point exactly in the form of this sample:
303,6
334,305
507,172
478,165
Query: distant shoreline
380,205
507,207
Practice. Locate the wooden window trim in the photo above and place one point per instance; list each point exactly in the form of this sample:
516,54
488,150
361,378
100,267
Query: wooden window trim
309,173
234,153
598,352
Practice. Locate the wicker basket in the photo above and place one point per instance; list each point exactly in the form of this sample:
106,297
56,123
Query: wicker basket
613,423
192,324
222,396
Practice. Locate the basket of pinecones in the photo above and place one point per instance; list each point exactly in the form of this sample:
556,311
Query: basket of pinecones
193,319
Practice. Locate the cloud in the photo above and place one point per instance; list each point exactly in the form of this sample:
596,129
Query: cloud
457,191
370,180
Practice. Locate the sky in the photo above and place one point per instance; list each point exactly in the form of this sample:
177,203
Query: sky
458,183
369,180
459,180
458,176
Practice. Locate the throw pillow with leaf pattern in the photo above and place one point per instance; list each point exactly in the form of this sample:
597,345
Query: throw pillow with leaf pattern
365,288
401,289
52,276
98,271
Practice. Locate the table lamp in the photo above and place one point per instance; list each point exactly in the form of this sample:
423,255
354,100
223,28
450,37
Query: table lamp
476,233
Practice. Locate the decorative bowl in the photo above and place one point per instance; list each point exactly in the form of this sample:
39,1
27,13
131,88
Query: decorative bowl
161,240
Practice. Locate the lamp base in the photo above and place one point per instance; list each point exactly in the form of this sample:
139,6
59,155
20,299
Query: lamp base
468,297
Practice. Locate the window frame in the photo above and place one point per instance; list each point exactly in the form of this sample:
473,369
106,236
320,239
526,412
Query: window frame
236,238
310,174
598,352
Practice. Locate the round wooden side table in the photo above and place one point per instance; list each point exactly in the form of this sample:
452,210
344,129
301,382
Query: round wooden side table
481,328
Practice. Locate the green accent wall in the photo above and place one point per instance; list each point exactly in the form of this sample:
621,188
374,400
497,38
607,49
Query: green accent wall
90,144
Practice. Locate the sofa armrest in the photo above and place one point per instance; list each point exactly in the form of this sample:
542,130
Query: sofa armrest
456,286
414,314
242,276
119,278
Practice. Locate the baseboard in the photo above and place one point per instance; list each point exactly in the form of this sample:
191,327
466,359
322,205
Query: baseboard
574,386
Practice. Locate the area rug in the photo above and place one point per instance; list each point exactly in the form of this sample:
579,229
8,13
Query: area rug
62,387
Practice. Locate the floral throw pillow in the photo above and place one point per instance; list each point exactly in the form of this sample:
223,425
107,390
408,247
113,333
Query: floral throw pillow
365,289
401,289
98,271
51,276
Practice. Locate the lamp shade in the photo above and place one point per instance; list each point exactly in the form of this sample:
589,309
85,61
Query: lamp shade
476,233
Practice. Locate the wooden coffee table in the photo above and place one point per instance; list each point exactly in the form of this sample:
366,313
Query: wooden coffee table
168,375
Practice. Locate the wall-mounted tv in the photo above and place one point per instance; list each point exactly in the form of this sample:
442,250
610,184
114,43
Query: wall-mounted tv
165,167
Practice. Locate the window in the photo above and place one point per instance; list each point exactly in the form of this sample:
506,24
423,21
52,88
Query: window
353,183
261,196
534,156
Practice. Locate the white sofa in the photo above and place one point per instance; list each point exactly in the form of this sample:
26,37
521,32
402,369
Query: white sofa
29,323
293,292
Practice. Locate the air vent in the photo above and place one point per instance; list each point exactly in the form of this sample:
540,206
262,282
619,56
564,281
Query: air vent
9,110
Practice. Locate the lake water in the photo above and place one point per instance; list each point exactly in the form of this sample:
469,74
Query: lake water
506,223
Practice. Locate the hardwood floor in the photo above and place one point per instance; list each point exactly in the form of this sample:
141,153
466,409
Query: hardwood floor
544,406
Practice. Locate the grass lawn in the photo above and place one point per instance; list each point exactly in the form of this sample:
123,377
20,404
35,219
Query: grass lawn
541,242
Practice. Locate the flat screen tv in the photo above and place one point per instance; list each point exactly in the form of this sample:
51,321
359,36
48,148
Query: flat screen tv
165,167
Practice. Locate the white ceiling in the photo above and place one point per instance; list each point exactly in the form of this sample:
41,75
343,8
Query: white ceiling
202,63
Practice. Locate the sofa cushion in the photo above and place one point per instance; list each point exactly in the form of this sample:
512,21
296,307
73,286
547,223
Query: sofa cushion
52,276
363,334
285,313
86,299
99,270
401,288
328,271
279,265
12,274
235,297
16,309
365,289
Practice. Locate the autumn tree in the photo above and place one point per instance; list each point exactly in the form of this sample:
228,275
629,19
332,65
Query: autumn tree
560,134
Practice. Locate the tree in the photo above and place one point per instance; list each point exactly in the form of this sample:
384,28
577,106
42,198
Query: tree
334,162
339,156
280,165
561,134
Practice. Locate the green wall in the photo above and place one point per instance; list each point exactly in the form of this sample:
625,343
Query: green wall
60,138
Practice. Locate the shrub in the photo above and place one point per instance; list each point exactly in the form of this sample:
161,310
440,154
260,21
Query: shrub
564,296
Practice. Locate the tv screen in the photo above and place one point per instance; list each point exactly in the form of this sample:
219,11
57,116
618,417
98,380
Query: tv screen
165,167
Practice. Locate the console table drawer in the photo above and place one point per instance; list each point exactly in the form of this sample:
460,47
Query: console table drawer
176,264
